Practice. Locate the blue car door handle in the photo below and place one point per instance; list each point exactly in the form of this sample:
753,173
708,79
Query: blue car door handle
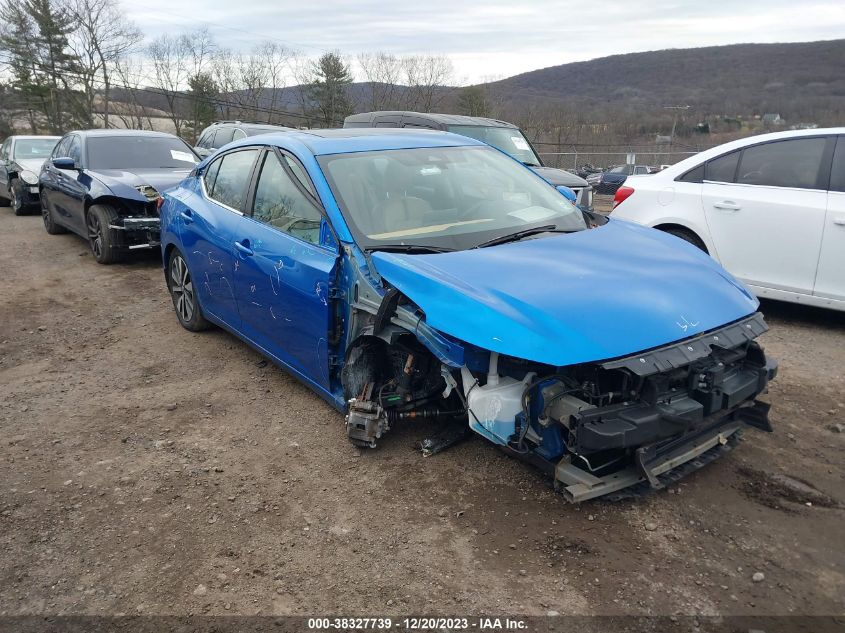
243,247
187,215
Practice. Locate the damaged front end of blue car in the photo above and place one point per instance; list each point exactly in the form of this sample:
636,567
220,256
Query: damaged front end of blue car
613,359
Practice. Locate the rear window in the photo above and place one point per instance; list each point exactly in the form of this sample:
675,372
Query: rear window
223,136
139,152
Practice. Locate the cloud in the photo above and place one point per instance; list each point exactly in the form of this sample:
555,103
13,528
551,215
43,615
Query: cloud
495,37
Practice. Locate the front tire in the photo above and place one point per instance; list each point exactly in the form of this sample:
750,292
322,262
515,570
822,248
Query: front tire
103,240
50,224
183,293
15,197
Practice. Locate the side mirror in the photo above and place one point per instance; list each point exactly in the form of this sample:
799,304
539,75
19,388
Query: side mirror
64,162
567,193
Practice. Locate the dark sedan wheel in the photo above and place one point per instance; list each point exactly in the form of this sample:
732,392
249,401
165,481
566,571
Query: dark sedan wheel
184,296
47,215
103,240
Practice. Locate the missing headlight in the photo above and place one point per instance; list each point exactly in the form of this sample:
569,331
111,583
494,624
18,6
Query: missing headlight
149,192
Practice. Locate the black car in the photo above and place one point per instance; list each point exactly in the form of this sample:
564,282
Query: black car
221,133
105,185
500,134
609,181
21,158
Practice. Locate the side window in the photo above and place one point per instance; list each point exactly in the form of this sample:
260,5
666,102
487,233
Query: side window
205,140
74,149
300,174
837,171
281,204
696,174
792,163
722,169
232,178
238,135
60,151
210,176
223,136
4,150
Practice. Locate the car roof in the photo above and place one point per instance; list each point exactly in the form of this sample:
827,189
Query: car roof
434,117
705,155
346,140
32,136
118,133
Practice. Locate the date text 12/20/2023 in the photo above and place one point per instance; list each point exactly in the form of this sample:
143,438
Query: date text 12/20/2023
415,624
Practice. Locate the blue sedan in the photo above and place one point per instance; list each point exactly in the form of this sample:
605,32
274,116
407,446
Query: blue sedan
409,276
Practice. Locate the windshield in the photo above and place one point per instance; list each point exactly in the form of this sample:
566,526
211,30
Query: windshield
139,152
443,197
34,147
621,169
508,139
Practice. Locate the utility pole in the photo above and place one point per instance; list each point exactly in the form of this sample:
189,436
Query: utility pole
676,109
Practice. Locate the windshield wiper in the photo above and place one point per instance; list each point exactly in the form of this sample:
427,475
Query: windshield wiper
515,237
410,248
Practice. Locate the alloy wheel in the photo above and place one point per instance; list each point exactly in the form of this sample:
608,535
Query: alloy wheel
95,234
182,288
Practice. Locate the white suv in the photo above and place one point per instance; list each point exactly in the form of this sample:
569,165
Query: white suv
770,209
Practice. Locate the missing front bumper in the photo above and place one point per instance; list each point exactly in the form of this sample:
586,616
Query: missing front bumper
139,233
656,465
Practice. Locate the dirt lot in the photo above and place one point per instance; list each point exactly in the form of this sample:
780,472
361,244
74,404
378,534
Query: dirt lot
149,470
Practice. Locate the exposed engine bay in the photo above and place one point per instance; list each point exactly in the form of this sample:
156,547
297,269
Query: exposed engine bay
598,428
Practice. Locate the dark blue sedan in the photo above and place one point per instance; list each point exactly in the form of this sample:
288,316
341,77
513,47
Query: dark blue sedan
105,185
411,276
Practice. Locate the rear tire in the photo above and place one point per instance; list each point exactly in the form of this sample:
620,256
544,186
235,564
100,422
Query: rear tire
183,293
687,236
47,215
104,241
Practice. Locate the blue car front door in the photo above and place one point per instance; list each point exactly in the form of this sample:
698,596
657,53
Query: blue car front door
210,229
284,272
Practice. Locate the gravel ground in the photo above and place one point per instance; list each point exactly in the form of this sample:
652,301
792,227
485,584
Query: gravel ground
146,470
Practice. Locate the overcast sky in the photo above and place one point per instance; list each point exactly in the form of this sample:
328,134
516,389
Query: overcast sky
495,38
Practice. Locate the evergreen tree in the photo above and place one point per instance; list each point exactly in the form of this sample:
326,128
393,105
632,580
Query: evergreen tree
204,92
327,91
35,38
473,102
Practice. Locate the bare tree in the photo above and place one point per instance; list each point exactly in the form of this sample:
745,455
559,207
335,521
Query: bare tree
426,76
301,69
384,73
276,59
130,76
102,38
169,57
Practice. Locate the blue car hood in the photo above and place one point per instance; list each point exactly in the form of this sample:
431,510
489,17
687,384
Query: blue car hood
119,180
593,295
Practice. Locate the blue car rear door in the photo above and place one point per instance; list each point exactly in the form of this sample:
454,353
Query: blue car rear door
286,267
210,229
